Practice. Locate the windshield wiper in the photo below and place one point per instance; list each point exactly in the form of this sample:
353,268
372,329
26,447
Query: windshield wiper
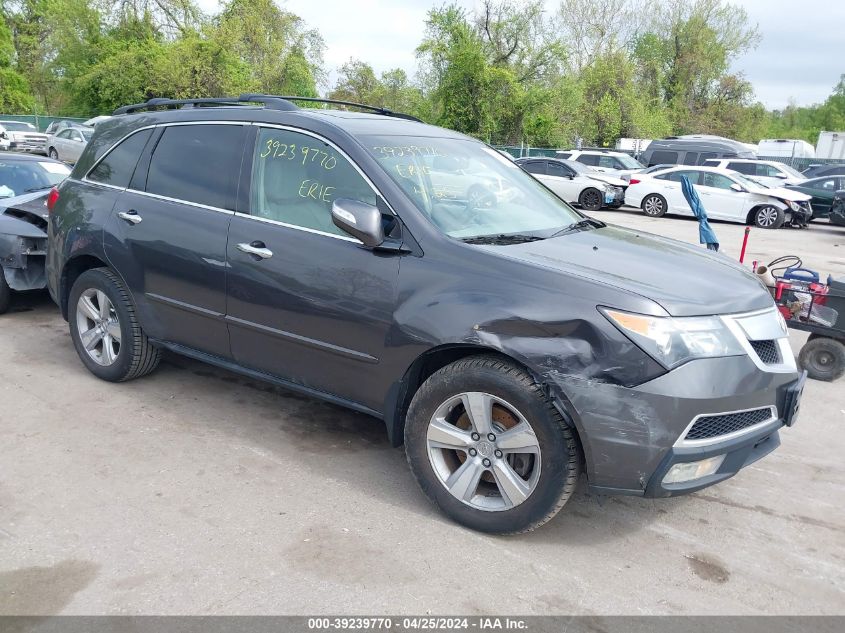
41,188
581,225
514,238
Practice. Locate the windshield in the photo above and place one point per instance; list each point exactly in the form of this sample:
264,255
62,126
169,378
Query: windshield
24,176
630,163
745,181
469,190
792,172
16,126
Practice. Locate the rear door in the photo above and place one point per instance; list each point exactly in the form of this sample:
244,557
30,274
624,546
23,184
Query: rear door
167,233
670,188
306,301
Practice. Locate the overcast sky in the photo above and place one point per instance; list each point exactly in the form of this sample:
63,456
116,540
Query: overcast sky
800,56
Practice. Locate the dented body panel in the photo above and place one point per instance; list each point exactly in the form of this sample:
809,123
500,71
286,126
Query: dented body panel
23,241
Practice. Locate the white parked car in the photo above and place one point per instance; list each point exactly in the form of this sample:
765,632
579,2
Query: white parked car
576,184
726,195
5,140
618,163
67,144
25,137
768,172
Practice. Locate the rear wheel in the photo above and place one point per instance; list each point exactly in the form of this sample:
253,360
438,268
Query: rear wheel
53,153
591,199
769,217
105,330
5,293
487,446
654,205
823,358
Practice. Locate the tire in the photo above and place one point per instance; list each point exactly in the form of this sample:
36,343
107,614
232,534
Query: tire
547,477
823,358
654,205
5,293
591,199
53,153
133,356
768,217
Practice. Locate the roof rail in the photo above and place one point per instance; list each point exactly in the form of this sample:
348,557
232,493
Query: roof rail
160,102
351,104
275,102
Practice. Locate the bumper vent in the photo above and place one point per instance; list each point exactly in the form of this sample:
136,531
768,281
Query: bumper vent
710,426
767,351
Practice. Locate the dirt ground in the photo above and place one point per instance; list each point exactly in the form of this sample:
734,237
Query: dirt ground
197,491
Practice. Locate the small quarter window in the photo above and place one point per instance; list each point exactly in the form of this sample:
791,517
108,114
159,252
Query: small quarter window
118,165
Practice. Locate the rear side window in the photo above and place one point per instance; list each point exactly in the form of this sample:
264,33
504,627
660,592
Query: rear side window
676,176
588,159
691,158
564,155
706,156
749,169
117,166
768,170
662,157
197,163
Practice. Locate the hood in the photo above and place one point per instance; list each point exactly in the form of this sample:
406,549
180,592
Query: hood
783,194
608,178
34,202
684,279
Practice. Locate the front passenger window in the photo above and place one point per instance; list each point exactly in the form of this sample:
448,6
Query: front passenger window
296,177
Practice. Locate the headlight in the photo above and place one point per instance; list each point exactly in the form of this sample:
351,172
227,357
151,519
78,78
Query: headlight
672,341
792,205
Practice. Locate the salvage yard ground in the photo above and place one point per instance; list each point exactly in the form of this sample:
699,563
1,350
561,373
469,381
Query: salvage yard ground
196,491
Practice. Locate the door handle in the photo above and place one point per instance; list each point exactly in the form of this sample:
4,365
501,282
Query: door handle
256,248
130,216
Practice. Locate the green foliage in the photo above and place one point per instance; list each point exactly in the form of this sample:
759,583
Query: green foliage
510,71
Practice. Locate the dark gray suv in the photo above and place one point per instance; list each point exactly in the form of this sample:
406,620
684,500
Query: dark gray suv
415,274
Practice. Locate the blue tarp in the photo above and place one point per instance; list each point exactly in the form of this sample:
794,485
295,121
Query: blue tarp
705,231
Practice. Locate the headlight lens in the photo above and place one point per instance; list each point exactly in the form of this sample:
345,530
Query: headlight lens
672,341
792,205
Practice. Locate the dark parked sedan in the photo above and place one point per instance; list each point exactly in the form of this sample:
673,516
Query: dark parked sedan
822,189
415,274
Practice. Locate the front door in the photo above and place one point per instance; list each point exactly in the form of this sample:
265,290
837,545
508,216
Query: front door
307,302
719,200
168,234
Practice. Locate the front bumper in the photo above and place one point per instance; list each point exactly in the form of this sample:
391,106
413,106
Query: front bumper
630,435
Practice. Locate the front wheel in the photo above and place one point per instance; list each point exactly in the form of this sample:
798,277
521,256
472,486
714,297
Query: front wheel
53,153
591,199
823,358
769,217
105,329
488,447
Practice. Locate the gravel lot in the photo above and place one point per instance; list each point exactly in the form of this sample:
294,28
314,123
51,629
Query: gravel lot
196,491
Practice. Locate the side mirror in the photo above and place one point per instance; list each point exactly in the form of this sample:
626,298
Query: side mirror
359,219
782,176
737,187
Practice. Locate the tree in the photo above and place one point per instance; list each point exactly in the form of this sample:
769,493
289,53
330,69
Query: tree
14,89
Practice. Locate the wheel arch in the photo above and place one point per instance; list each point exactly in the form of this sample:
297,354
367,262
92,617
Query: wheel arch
402,392
749,218
71,271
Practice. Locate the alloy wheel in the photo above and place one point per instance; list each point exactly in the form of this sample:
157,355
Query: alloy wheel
653,206
483,451
767,216
98,326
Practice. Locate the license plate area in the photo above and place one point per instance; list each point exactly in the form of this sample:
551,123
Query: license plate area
792,403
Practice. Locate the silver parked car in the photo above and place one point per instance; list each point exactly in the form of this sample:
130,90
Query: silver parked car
68,143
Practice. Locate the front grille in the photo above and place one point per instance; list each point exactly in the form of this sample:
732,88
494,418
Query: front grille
767,351
711,426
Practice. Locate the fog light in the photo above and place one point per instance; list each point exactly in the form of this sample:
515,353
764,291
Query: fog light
693,470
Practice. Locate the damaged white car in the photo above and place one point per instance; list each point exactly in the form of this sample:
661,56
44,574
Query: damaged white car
25,182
